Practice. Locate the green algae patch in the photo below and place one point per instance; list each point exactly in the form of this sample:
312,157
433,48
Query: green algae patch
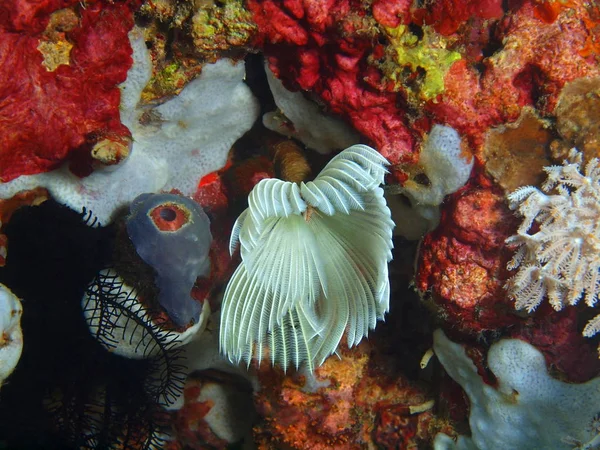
417,64
219,28
168,79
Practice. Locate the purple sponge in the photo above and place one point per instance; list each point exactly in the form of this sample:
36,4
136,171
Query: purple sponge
171,233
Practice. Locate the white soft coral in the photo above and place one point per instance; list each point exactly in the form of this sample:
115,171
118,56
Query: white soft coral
558,243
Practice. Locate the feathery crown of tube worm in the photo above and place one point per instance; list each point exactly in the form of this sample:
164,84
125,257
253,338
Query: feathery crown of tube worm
314,264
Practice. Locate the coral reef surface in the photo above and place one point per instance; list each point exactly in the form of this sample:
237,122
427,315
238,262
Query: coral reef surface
472,103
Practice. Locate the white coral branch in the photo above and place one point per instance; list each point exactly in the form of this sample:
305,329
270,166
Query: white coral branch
558,242
592,327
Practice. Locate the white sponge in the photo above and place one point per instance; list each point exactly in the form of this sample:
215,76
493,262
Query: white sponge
185,138
446,165
302,119
446,168
11,337
528,409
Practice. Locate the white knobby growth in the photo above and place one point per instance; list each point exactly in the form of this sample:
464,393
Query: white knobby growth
314,264
444,167
526,408
11,336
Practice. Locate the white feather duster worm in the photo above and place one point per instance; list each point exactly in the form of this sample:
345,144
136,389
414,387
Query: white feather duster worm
314,264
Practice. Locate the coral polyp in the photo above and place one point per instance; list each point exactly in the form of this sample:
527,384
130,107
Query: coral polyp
314,264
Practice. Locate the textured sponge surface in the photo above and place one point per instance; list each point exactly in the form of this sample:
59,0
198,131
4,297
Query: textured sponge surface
527,409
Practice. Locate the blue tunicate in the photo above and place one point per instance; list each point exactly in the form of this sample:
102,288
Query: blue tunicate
171,233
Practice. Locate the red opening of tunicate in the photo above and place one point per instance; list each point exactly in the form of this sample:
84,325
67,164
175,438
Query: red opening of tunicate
169,216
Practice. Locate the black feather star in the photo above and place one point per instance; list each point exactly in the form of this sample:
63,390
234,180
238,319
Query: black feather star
71,389
124,326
